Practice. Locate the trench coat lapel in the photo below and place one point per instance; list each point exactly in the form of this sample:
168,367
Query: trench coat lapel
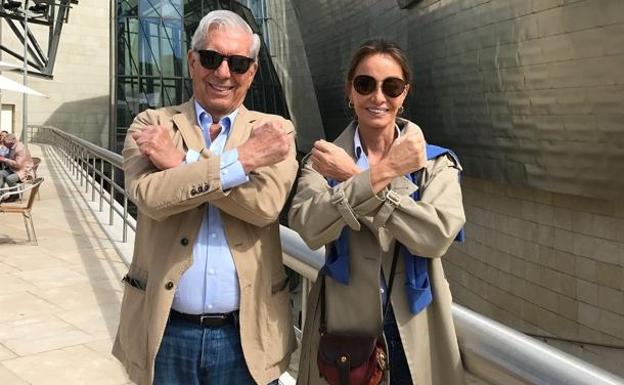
345,140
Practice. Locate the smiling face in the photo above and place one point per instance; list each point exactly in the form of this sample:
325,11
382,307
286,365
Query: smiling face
221,91
376,110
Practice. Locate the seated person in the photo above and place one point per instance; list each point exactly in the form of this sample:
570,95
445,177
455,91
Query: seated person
3,150
18,164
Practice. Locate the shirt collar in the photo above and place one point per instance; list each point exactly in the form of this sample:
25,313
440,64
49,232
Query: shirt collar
206,118
357,143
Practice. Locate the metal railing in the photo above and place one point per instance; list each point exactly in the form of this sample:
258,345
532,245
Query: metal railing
491,352
94,167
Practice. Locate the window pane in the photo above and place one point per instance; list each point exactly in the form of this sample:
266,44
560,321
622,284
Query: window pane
127,46
172,48
150,47
150,93
127,7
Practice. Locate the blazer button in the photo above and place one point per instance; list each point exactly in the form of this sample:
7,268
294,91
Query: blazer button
184,241
200,189
169,285
206,187
193,191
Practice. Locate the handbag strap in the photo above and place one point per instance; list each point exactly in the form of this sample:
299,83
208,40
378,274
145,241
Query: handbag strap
397,248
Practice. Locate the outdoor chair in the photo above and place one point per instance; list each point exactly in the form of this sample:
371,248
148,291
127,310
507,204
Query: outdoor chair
26,193
36,162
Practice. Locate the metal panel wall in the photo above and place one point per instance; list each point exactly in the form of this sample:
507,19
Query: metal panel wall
527,92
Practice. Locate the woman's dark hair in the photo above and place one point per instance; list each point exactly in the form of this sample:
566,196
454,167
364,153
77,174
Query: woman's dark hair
379,46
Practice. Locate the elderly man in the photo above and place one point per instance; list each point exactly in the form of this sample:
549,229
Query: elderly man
18,165
206,296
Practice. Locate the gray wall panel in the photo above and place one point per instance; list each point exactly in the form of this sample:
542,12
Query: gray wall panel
527,92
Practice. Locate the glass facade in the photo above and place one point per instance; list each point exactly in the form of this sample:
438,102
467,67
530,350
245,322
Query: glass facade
153,37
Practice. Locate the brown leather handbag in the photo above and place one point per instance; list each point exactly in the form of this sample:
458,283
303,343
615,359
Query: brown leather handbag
349,359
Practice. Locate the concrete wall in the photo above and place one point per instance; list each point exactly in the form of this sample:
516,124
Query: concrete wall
78,95
545,263
291,64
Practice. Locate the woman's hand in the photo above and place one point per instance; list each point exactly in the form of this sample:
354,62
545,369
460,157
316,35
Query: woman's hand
406,155
332,161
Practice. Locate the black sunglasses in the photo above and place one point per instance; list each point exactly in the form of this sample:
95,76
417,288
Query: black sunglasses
392,87
211,60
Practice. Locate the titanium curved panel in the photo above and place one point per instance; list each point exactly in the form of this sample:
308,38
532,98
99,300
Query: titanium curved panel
527,92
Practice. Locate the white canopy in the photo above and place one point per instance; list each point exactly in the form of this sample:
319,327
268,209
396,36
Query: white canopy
10,85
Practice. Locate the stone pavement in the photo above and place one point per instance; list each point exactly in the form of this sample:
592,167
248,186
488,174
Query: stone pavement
59,301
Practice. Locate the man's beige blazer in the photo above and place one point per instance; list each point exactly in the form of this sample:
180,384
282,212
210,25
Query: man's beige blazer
171,206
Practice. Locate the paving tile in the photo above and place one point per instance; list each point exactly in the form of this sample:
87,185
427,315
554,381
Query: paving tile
86,256
102,346
4,268
5,354
40,334
52,277
12,283
9,378
68,366
22,305
73,243
9,251
100,321
80,296
32,261
101,269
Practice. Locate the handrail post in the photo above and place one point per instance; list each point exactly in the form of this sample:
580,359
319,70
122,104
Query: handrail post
93,181
111,198
86,171
101,183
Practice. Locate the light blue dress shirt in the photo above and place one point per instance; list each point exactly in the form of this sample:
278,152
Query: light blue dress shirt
210,285
360,154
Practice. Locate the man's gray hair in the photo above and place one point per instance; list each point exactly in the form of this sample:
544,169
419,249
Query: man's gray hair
220,19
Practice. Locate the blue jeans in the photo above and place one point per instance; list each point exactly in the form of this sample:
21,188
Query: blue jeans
399,370
8,177
194,355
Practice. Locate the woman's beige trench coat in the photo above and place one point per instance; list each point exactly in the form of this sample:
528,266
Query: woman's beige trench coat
426,228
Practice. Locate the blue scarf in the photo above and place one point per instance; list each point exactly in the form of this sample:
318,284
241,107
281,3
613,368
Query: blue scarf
417,281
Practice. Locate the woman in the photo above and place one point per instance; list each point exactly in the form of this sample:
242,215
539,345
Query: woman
377,184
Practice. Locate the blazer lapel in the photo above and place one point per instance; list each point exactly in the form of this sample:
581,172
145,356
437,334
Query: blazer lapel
186,122
240,129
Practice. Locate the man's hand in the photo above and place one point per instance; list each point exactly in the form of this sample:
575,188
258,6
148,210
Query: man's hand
155,143
332,161
268,144
2,158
